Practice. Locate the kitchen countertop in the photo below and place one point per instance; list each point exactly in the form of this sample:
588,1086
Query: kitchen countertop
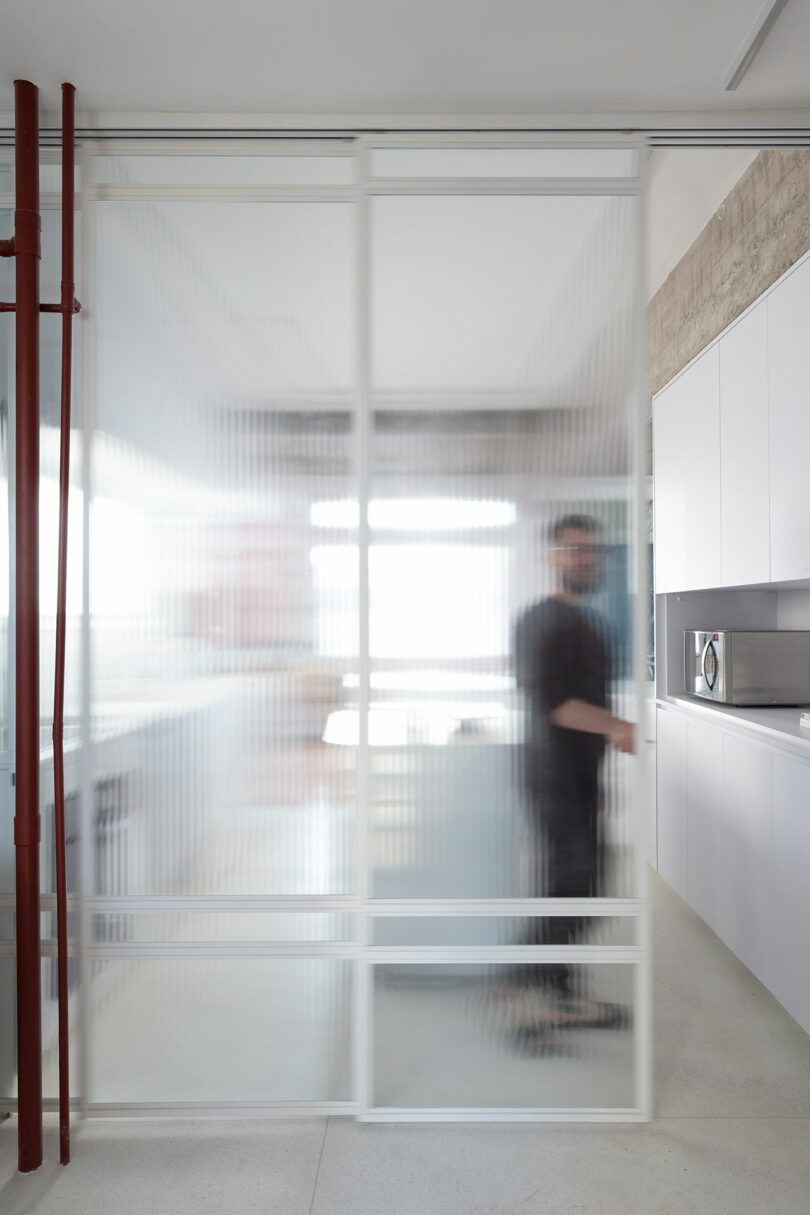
779,725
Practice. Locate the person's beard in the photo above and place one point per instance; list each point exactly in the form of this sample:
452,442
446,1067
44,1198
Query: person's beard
580,583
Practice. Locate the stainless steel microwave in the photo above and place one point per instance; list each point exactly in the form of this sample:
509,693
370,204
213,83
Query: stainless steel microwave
762,667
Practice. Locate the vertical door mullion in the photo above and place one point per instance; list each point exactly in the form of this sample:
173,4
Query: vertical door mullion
363,995
639,407
86,815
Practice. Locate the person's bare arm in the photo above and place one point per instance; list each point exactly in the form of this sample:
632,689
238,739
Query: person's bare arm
591,719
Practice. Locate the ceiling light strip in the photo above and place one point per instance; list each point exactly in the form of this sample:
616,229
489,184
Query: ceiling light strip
753,43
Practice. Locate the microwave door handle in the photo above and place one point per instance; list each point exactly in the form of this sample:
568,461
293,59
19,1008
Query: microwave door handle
713,680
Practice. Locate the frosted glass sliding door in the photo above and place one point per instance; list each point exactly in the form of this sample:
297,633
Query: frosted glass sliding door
504,373
223,626
353,643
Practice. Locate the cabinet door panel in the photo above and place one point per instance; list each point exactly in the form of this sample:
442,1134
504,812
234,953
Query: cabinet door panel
704,762
789,408
744,468
671,762
670,490
686,434
791,906
745,873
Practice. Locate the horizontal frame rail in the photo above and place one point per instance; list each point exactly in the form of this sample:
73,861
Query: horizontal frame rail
379,955
596,907
196,1109
520,1114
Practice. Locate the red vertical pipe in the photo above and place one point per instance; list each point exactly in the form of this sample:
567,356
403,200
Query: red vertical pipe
59,678
26,821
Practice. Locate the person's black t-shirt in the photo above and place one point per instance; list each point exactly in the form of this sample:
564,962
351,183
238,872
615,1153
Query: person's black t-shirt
560,655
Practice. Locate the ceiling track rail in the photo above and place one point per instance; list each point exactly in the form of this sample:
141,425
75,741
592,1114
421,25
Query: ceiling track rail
657,137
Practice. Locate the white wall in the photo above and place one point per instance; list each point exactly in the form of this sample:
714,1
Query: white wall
686,187
793,609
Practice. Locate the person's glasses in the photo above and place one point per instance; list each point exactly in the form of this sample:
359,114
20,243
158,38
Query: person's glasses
581,550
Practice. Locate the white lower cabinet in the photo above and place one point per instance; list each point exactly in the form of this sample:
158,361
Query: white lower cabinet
704,818
671,764
745,869
734,841
791,873
650,815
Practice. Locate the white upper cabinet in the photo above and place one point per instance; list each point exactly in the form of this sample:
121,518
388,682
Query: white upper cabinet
744,472
789,395
686,436
731,437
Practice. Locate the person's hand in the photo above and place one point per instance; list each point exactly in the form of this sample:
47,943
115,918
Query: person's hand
621,735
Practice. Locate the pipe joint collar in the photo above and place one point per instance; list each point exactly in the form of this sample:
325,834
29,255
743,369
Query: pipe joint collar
27,229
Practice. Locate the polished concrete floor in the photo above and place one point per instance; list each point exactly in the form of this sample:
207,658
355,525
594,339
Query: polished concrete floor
731,1132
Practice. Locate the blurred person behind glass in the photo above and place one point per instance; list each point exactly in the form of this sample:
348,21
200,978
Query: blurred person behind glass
562,665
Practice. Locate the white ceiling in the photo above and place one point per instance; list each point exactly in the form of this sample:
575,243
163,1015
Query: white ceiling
416,57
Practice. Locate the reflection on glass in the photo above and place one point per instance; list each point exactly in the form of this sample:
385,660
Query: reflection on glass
484,1036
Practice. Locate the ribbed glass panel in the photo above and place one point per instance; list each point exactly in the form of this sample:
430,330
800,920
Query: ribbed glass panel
50,1024
50,176
7,964
49,456
7,292
241,926
508,409
229,169
503,162
224,1029
223,617
8,1002
467,1036
450,930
